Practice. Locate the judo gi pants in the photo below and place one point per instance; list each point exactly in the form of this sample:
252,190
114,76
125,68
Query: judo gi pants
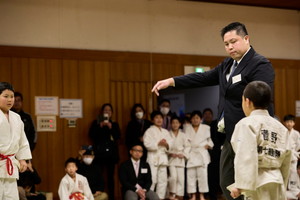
270,191
195,174
159,180
176,180
8,189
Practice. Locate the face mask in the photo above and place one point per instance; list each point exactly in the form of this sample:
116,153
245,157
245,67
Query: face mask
164,110
87,160
139,115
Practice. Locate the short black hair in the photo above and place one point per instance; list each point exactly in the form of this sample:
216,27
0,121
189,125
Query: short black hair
239,27
289,117
71,160
175,117
155,113
259,93
6,86
208,110
19,94
106,104
132,113
164,100
196,112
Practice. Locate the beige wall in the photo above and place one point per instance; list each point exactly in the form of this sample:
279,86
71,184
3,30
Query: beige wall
166,26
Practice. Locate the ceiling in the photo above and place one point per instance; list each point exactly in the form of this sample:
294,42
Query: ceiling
284,4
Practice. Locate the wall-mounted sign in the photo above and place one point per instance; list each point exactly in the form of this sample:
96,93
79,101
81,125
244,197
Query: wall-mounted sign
46,105
46,123
298,108
70,108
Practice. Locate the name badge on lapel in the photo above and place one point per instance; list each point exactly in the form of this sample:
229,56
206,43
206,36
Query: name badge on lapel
236,79
144,170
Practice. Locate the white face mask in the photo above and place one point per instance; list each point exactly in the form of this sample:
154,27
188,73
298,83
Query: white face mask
139,115
87,160
164,110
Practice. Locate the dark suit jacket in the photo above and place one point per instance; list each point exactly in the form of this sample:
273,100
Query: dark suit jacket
252,67
128,178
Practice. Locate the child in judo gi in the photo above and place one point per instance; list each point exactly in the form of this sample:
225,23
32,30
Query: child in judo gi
74,186
260,142
14,146
178,154
199,137
157,141
294,142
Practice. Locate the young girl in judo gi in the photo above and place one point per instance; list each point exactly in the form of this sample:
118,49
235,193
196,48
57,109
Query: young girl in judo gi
260,142
199,137
157,141
14,147
178,154
74,186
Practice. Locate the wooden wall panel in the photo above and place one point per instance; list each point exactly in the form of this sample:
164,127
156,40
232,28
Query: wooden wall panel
97,77
20,73
5,69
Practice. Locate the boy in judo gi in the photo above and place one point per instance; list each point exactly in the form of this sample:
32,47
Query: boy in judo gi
260,142
199,137
74,186
178,154
157,141
294,142
14,146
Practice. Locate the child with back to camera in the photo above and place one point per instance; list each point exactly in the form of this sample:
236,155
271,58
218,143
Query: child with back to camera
260,143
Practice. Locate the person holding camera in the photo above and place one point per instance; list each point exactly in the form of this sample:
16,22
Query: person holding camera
104,134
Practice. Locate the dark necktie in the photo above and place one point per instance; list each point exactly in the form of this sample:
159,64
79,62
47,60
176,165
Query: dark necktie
235,64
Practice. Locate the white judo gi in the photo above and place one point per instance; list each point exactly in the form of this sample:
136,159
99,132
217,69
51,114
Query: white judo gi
14,146
198,158
68,187
294,142
157,158
182,146
262,157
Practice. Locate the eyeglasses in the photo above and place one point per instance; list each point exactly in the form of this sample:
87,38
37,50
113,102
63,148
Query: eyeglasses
137,150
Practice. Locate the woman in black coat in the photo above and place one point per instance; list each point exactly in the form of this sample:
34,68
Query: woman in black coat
105,134
136,128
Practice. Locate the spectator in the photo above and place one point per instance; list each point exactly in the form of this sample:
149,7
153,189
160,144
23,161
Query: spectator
136,128
105,134
74,186
165,109
199,137
29,128
178,154
88,169
157,140
294,142
135,177
26,183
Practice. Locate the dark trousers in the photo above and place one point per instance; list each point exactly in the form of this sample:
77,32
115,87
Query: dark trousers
227,169
108,172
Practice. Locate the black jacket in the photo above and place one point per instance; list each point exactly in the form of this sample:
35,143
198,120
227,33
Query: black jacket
252,67
128,178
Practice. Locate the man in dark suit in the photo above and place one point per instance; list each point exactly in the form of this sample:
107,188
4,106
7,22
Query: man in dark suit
232,75
135,177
